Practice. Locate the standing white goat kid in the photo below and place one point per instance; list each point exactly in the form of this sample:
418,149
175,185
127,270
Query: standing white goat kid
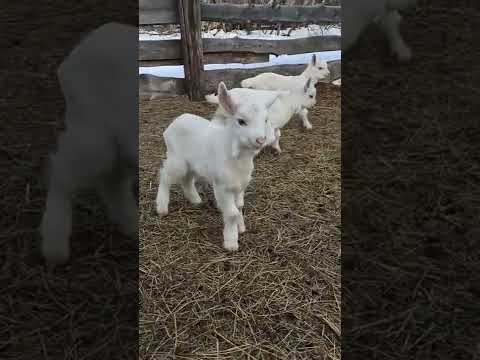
279,114
219,155
357,15
99,148
316,70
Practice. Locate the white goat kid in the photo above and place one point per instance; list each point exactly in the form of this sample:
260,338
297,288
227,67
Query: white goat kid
316,70
357,15
219,155
99,148
282,110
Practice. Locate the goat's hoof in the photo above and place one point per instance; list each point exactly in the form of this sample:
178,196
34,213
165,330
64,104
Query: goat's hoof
55,256
308,127
161,211
404,54
195,200
231,247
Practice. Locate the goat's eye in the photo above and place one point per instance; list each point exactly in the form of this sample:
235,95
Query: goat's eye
242,122
311,96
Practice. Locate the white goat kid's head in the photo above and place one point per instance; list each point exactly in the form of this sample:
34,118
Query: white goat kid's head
310,92
248,120
317,69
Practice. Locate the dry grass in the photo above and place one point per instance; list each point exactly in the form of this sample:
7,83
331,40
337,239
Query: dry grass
279,296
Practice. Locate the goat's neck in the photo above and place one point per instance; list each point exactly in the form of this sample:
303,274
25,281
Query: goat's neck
237,152
306,73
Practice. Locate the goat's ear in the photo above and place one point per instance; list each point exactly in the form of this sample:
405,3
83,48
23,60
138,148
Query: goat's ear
307,85
225,99
314,60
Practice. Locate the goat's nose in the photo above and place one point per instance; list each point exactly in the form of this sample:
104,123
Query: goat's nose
261,140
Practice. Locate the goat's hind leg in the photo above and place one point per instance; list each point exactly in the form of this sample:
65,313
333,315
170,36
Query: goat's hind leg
390,24
173,172
117,194
189,189
77,163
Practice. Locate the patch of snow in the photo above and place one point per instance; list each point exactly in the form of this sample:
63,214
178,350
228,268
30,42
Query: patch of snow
177,71
311,30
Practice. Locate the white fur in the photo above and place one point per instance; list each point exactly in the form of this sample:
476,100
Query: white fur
357,15
316,70
100,145
287,104
222,156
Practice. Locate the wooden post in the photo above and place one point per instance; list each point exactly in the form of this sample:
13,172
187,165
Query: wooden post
192,49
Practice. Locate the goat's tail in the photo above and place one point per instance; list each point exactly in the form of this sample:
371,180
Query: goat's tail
212,98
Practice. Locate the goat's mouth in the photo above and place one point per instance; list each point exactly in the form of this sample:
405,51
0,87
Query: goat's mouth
256,146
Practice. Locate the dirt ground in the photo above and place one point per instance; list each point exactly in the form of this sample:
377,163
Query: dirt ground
279,296
410,190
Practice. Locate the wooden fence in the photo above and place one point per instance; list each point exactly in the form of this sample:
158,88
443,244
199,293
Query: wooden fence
193,52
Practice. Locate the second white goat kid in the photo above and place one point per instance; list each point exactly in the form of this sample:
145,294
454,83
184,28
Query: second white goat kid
287,104
221,156
316,70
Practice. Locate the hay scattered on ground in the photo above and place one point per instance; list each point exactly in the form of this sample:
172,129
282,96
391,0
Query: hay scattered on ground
410,153
279,296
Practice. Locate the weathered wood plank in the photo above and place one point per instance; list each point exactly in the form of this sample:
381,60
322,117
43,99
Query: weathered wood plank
298,14
171,49
153,86
220,58
276,47
152,12
192,49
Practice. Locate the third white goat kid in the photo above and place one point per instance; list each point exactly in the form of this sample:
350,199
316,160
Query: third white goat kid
287,104
316,70
219,155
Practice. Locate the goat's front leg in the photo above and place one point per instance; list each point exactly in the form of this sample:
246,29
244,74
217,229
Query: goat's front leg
117,194
390,25
56,225
231,216
276,142
303,114
239,202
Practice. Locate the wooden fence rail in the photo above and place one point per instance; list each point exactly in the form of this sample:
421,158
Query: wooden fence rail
171,49
154,12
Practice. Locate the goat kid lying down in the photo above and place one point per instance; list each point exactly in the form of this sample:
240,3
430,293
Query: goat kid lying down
285,106
221,156
316,70
357,15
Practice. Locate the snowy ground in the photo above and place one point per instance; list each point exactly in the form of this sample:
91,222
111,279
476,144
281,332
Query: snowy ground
177,71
